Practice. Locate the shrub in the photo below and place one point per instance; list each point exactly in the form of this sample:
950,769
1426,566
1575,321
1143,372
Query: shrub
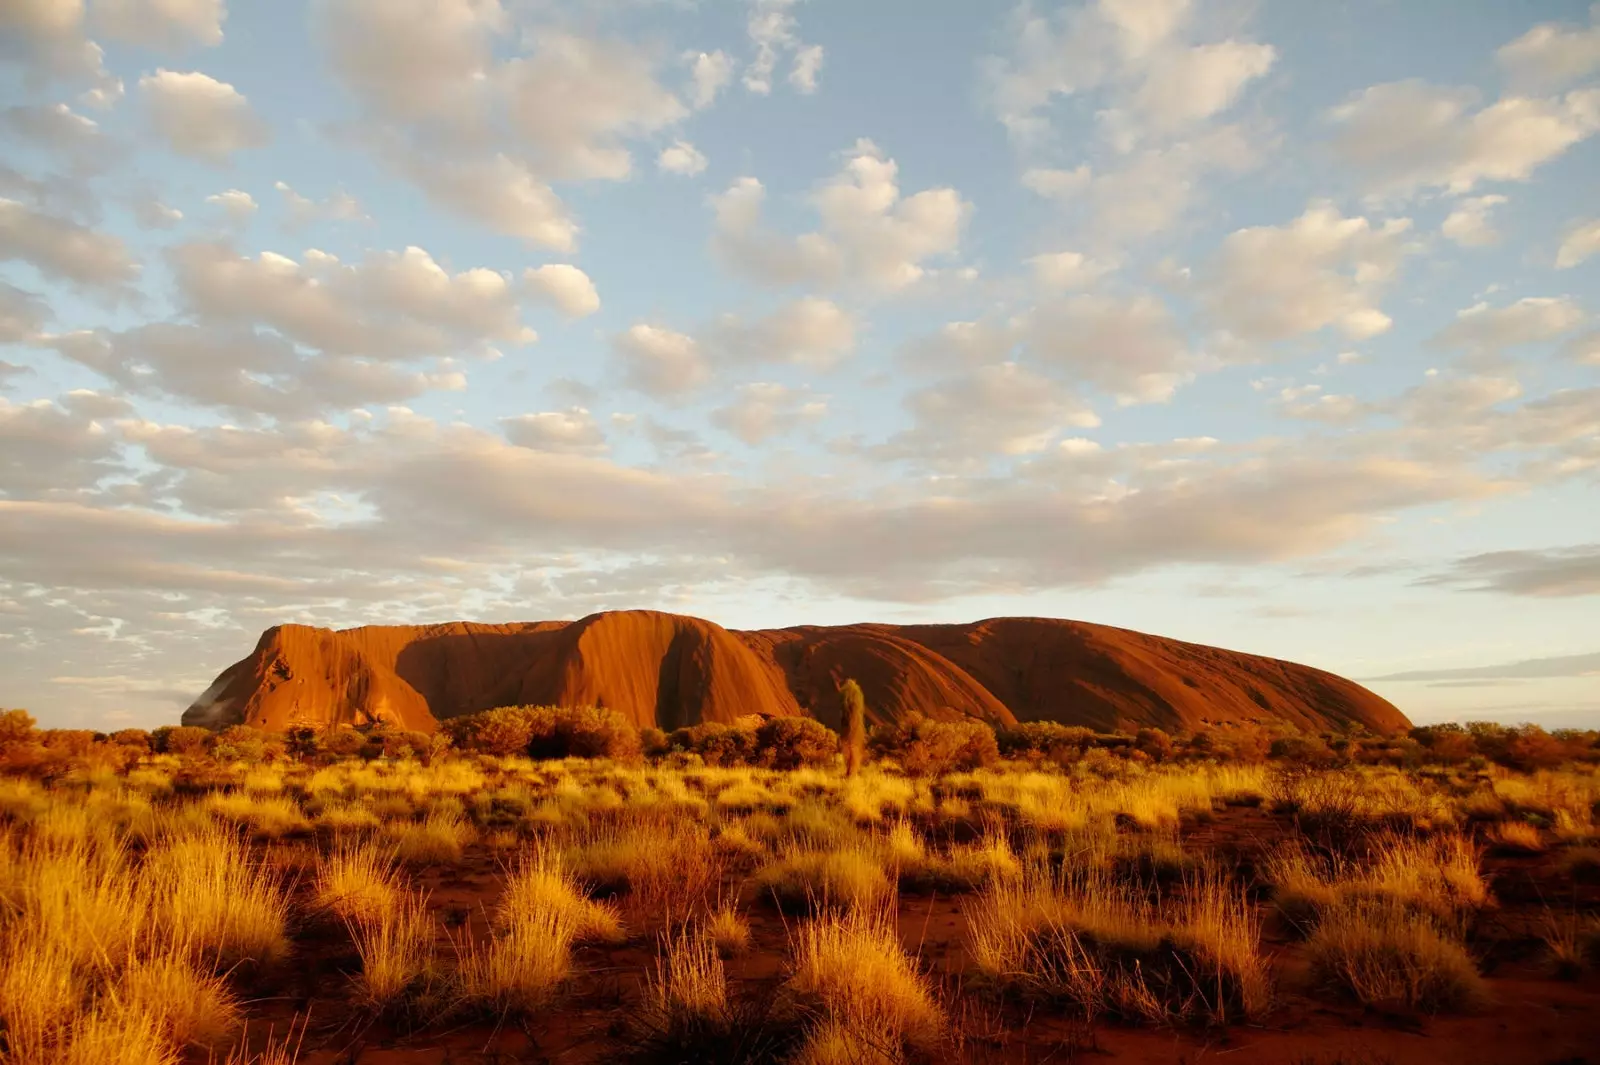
181,739
406,744
135,739
546,732
1044,740
793,742
341,742
1301,750
925,747
69,742
16,726
241,743
716,742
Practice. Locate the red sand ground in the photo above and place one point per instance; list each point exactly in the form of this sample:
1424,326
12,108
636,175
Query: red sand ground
668,670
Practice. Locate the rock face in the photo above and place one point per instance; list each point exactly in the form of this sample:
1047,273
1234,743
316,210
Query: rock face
668,670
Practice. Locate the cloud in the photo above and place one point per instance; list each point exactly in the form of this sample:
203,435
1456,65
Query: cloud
710,73
1067,270
151,213
201,117
1269,283
1156,81
1553,573
1487,330
1552,55
242,370
162,24
572,431
681,157
1130,347
22,314
57,449
809,332
565,287
1526,669
302,210
1310,403
58,128
390,305
763,409
869,232
1468,223
660,362
1407,136
1002,409
62,249
1580,242
574,100
237,205
772,30
1058,184
497,191
46,37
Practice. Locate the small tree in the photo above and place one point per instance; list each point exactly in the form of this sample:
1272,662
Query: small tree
855,726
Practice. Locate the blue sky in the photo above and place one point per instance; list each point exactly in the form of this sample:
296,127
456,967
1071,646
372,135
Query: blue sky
1269,326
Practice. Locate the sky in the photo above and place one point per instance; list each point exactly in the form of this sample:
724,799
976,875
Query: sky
1270,326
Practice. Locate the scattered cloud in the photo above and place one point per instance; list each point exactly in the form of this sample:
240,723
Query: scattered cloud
302,211
763,410
681,157
774,33
1405,137
565,287
1552,573
1486,330
869,231
1527,669
1580,242
1552,55
710,73
572,431
660,362
809,332
1468,223
201,117
168,25
239,206
61,248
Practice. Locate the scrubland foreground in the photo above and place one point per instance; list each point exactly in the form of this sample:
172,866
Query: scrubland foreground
229,900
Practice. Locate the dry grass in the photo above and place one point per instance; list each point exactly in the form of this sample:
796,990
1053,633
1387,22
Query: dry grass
396,948
521,968
1379,952
540,884
811,880
437,839
190,1007
728,930
1438,876
1516,838
358,883
210,894
664,866
851,970
1083,939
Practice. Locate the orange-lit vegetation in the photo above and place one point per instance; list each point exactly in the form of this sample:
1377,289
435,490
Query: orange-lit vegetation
727,894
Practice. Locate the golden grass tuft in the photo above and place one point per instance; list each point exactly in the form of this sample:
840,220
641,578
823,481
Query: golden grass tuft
539,883
1377,951
1515,838
520,969
358,883
810,880
212,896
853,971
396,947
437,839
728,930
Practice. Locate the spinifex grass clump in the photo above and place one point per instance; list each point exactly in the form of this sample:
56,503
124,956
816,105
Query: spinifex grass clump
358,883
1083,939
801,880
396,947
1437,876
865,991
1379,951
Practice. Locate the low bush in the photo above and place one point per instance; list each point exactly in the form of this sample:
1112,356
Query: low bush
926,747
1378,952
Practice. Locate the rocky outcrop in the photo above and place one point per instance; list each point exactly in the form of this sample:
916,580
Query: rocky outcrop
669,670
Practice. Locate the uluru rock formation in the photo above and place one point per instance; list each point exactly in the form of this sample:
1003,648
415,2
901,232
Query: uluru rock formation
668,670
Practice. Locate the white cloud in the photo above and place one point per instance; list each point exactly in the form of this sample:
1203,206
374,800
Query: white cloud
1067,269
574,101
1196,83
1000,409
56,449
681,157
47,38
565,287
1058,184
201,117
1552,55
1128,346
764,409
238,205
1310,403
499,192
391,305
22,316
58,128
869,232
807,65
772,29
61,248
1407,136
1468,224
165,24
1490,330
151,213
1581,241
302,210
660,362
710,73
810,332
1269,283
572,431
